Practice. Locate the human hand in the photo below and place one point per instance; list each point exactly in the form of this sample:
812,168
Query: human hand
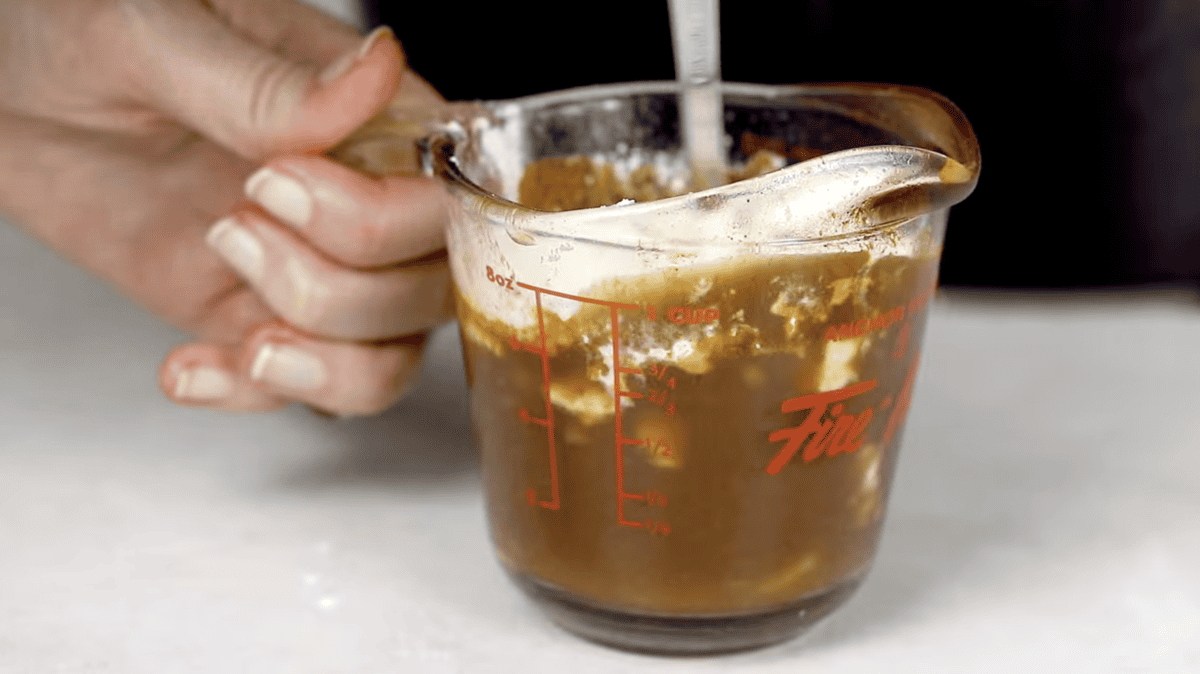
130,127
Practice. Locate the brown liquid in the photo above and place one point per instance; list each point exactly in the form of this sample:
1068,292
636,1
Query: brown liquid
707,514
569,183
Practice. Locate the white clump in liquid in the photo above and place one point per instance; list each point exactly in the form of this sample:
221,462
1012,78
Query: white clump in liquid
608,378
837,370
623,202
588,405
703,285
591,407
682,349
870,482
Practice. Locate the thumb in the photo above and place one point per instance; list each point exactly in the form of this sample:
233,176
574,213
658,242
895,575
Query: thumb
252,100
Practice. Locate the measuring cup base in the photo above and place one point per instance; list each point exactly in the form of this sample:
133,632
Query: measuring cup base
684,636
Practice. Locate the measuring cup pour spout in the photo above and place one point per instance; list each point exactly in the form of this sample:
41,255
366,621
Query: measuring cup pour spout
689,405
887,154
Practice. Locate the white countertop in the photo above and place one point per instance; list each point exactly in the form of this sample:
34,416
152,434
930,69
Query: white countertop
1046,515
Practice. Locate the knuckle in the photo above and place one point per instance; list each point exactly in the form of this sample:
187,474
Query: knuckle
367,244
363,408
275,91
304,297
365,403
385,384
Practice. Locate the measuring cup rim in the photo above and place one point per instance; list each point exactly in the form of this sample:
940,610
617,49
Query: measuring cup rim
439,158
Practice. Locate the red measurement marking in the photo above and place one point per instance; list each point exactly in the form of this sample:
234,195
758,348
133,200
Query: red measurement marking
548,421
552,504
659,527
655,499
619,423
577,298
502,281
864,326
517,345
620,440
690,315
902,341
658,397
525,416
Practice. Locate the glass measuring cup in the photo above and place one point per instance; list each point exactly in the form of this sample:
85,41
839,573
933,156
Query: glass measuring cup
689,410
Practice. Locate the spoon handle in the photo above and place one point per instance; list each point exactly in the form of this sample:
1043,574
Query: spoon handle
695,37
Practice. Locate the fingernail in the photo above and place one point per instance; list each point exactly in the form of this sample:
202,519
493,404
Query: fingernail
203,383
281,196
288,367
342,64
241,249
323,414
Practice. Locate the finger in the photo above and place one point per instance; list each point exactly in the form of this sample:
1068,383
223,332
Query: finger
248,98
342,378
295,30
319,296
305,34
351,218
206,375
